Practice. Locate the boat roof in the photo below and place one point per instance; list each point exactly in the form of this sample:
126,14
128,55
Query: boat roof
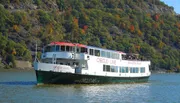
62,43
82,45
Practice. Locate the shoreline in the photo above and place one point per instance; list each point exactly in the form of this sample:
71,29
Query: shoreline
15,69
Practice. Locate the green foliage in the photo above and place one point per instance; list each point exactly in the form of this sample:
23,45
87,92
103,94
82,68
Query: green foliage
61,4
44,17
124,25
10,59
38,2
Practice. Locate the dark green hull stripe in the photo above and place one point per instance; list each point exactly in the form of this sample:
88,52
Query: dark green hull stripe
48,77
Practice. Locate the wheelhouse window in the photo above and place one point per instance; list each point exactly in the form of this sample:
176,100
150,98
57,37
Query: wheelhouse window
91,51
47,49
68,48
62,48
57,47
53,48
50,48
83,50
78,50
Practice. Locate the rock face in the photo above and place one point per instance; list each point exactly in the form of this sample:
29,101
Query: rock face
23,64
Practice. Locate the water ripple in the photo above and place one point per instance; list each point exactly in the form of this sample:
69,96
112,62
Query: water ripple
19,83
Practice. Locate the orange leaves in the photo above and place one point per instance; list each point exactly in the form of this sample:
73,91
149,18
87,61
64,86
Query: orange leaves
75,23
85,27
14,52
156,25
162,22
156,17
83,31
16,28
75,20
132,28
139,32
138,47
178,25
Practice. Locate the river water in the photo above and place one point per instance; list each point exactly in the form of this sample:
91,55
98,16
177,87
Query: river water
20,87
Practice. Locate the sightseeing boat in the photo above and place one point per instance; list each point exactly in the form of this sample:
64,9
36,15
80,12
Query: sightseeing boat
73,63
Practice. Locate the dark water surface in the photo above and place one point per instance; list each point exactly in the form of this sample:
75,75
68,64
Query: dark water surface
20,87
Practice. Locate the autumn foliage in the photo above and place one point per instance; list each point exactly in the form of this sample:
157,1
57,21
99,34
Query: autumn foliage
132,28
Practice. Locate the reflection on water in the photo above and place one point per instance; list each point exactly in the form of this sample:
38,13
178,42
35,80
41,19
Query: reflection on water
20,87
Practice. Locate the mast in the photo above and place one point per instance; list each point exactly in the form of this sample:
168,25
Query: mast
35,59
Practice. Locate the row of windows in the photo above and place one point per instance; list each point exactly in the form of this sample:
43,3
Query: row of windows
109,55
94,52
104,54
108,68
132,69
65,48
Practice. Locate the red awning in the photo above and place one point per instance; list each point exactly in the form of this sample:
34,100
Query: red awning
122,52
62,43
81,45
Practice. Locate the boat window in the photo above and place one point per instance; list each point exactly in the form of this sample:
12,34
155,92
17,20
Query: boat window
108,54
142,70
78,50
111,55
67,48
104,67
108,68
57,47
131,70
127,70
48,49
76,63
103,54
117,56
73,49
122,70
70,48
83,50
114,69
136,70
61,63
62,48
97,52
91,51
53,48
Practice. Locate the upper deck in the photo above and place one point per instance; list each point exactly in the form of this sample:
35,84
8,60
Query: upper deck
67,50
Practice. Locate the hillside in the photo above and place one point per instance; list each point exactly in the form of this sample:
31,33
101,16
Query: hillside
147,27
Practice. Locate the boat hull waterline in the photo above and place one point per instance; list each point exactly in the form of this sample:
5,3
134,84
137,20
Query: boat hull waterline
50,77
